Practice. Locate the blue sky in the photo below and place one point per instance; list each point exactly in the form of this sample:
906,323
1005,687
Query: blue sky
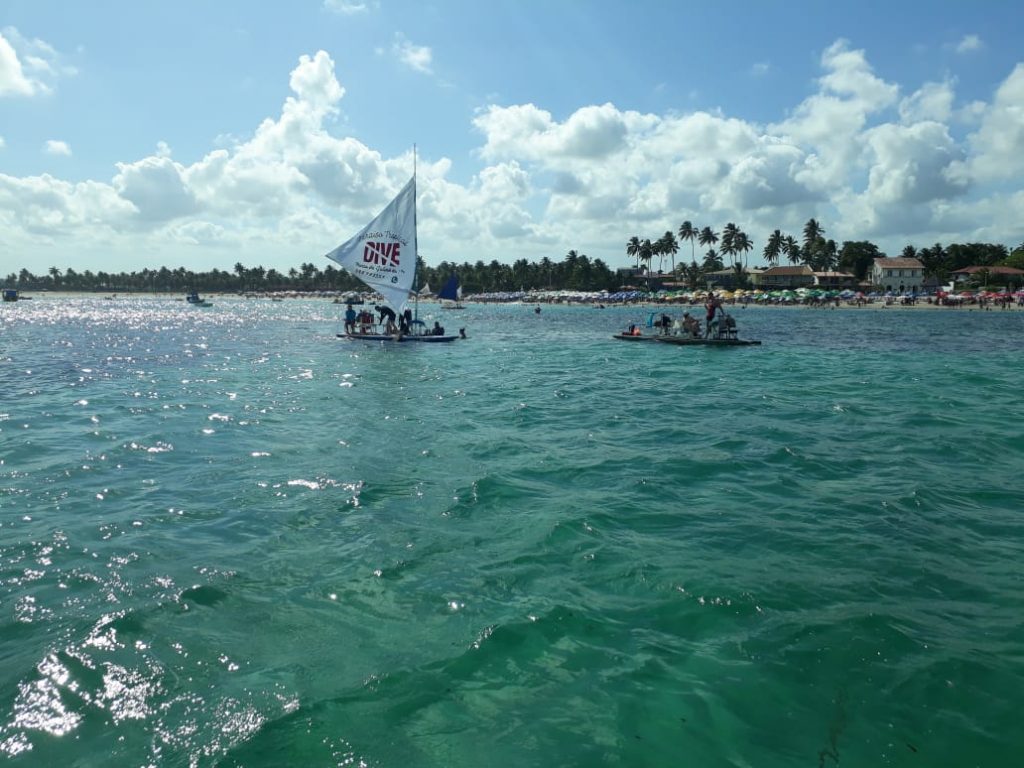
201,134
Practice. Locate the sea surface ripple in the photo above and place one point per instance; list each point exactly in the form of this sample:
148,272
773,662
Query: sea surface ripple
229,538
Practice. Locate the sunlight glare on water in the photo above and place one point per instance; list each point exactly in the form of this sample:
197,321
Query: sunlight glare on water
229,538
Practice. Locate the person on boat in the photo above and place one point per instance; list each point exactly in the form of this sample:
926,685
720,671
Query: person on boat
386,313
365,322
405,322
437,330
666,324
462,333
691,325
350,320
711,305
719,320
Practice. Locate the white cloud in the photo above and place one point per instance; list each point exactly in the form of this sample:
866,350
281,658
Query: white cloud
44,205
933,101
590,132
54,147
969,43
13,81
156,187
760,69
852,153
830,123
999,142
418,57
28,67
347,7
2,142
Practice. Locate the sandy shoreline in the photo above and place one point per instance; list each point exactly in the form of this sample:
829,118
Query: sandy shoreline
669,308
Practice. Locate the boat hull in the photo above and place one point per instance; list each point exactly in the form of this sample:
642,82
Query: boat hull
633,337
397,338
686,341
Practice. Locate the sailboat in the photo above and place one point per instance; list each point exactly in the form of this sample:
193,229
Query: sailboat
383,256
451,294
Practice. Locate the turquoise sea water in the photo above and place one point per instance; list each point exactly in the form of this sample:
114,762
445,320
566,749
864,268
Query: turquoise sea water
229,538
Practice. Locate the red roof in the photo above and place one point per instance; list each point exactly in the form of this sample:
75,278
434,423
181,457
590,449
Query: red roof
898,263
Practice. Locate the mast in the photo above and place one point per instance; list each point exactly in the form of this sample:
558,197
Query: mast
416,238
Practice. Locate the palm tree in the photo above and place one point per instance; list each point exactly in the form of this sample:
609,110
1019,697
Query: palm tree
712,261
814,251
812,233
658,249
688,232
670,246
741,244
729,239
791,248
773,248
633,249
831,255
707,236
646,254
910,252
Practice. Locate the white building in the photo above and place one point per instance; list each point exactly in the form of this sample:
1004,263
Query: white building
898,275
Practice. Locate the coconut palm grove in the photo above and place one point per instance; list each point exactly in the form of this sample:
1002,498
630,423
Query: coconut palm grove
709,251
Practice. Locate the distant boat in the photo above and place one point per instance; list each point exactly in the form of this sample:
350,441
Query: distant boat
194,299
383,256
451,294
11,294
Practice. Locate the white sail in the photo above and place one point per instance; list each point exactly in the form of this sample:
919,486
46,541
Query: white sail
383,253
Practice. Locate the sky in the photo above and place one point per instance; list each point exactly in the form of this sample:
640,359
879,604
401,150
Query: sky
203,134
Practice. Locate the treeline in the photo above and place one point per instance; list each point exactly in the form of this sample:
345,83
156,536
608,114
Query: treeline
813,250
575,271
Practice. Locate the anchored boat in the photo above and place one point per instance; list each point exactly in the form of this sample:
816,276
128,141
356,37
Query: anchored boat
383,256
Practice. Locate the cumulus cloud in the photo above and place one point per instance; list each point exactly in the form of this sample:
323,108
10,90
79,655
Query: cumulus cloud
156,187
28,66
933,101
418,57
44,205
54,147
999,142
855,153
13,81
829,124
969,43
590,132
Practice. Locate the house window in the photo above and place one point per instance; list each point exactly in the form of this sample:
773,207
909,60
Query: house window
888,273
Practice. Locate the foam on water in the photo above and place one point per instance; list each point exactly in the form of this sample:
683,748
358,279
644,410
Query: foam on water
229,538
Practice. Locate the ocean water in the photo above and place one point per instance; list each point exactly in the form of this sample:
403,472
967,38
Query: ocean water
229,538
